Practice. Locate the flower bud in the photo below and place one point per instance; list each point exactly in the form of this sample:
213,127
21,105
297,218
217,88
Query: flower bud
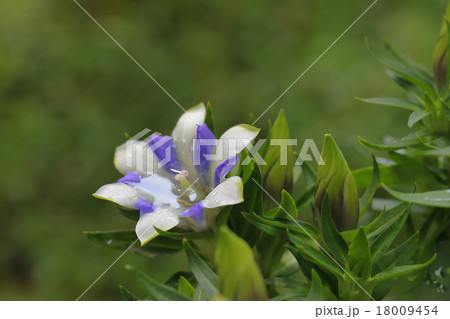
440,55
336,178
277,174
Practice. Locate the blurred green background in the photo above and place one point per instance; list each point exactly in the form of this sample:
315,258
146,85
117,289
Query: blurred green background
68,94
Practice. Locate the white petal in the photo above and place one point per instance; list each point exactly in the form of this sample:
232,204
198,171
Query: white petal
184,134
118,193
232,142
136,156
164,217
235,139
229,192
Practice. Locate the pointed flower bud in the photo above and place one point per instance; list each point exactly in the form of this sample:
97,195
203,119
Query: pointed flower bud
336,178
440,55
277,173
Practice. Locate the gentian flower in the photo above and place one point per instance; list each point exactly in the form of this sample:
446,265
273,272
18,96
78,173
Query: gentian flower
189,187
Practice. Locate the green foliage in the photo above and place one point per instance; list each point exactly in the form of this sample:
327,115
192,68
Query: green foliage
336,178
206,278
277,175
348,249
236,261
155,290
127,240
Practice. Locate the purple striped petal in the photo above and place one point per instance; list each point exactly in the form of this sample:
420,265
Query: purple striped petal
224,168
164,149
144,206
203,145
195,212
129,177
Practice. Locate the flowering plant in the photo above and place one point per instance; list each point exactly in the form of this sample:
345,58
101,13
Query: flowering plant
265,224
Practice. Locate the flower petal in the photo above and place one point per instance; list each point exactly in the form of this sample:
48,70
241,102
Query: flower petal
129,177
184,134
223,169
195,211
236,138
134,155
232,142
164,149
118,193
143,206
163,217
229,192
203,147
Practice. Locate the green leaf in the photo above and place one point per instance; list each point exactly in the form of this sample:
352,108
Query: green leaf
281,282
395,175
444,152
199,294
393,144
416,116
252,192
392,101
261,224
127,295
406,71
305,198
209,119
331,237
155,289
186,288
316,290
366,198
180,236
253,203
381,223
359,256
385,239
313,253
440,198
297,226
129,213
239,275
287,209
399,271
123,239
401,254
206,278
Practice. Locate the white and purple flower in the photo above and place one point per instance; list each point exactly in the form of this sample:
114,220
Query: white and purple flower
190,186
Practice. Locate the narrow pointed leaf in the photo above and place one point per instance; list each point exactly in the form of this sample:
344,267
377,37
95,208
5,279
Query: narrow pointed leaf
399,271
359,256
287,209
394,144
385,239
331,237
127,295
392,101
186,288
366,198
416,116
206,278
180,236
315,255
123,239
155,289
316,291
440,198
